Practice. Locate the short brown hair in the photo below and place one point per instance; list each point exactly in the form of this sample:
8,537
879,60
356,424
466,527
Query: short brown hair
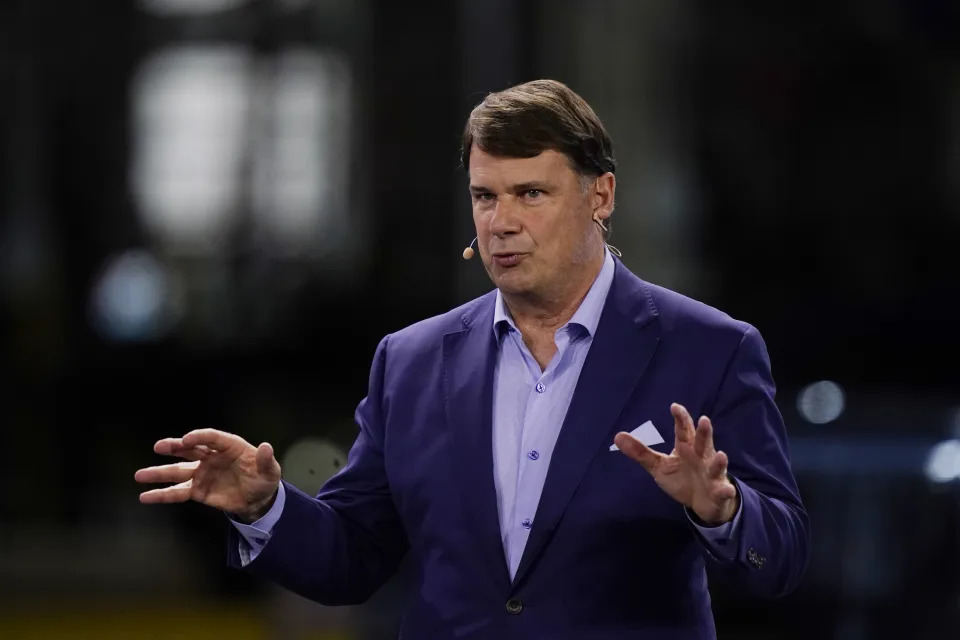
530,118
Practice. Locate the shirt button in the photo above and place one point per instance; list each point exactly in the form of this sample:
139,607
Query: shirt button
533,455
527,523
514,606
540,387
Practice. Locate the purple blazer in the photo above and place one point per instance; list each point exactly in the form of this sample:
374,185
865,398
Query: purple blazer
609,554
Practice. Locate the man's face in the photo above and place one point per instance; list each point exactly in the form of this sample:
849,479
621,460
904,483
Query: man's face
534,222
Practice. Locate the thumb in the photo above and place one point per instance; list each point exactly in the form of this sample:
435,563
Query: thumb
266,463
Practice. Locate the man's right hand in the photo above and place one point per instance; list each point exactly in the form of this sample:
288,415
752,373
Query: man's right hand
223,471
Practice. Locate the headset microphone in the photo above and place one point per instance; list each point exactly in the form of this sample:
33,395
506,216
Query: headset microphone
468,252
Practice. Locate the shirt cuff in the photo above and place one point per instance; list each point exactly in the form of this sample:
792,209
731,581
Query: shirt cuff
722,540
255,536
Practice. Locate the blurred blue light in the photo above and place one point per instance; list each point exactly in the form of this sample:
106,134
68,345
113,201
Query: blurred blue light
821,402
131,300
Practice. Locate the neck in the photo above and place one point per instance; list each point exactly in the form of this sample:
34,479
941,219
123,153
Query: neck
546,313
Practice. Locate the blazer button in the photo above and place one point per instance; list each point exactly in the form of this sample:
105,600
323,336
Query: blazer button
514,606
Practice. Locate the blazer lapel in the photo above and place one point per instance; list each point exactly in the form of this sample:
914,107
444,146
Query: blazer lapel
469,359
625,341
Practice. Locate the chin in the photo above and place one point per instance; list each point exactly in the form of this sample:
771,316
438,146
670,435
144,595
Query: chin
513,283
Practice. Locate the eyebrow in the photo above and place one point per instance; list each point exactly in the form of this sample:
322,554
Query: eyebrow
536,184
523,186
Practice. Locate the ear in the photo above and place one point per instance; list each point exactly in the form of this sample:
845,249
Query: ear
602,196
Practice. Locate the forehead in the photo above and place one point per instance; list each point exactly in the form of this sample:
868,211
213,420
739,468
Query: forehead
549,165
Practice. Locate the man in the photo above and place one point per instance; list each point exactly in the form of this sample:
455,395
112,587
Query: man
486,443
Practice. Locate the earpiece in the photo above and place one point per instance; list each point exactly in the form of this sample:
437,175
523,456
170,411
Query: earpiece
596,218
603,227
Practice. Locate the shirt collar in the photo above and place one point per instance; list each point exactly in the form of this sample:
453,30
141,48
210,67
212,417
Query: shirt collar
587,314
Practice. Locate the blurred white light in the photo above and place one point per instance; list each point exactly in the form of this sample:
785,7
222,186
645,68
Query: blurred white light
821,402
301,165
191,106
132,299
310,462
943,463
189,7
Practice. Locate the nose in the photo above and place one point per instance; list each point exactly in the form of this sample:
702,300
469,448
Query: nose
504,221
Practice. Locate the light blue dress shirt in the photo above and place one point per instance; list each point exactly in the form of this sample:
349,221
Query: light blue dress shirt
529,406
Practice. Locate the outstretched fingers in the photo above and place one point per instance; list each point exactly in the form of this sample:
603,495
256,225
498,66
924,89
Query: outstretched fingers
717,467
175,447
214,439
703,441
176,472
682,425
638,451
178,493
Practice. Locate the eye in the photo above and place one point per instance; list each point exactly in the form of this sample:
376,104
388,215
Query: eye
483,197
533,194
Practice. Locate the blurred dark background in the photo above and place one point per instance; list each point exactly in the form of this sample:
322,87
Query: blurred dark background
212,210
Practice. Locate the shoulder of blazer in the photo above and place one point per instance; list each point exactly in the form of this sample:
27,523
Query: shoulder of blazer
428,334
679,313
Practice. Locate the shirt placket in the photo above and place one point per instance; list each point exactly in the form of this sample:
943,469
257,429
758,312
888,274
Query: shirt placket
532,461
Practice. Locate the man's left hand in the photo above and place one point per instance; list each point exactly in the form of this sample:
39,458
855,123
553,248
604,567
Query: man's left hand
694,474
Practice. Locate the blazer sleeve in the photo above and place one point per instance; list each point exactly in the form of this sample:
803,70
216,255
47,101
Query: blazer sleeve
774,537
340,546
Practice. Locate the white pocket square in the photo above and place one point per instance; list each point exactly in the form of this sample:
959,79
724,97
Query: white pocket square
645,433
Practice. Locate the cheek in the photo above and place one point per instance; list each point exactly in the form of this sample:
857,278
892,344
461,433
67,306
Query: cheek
482,231
542,226
557,233
478,223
